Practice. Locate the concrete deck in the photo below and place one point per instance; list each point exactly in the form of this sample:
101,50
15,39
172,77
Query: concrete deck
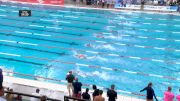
51,90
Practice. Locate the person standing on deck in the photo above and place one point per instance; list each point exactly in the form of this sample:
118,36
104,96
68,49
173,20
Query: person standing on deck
150,92
70,78
112,94
1,78
178,96
168,95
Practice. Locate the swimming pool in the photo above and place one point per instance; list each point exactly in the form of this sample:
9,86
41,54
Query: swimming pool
127,49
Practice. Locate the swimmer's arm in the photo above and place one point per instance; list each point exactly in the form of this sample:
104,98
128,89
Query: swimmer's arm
143,89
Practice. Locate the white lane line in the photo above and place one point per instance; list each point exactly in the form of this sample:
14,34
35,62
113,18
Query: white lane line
64,11
177,63
23,32
113,54
8,41
37,26
161,39
127,92
134,57
177,19
159,48
124,35
162,19
3,5
176,32
64,21
121,44
69,16
177,25
79,12
105,68
162,24
2,10
26,7
46,20
15,11
157,60
56,15
146,23
143,29
92,52
159,76
78,64
28,43
14,6
101,41
3,15
159,31
139,46
9,54
177,40
53,27
148,18
131,72
42,34
142,37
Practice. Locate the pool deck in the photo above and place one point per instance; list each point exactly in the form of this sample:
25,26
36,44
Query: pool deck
52,90
106,9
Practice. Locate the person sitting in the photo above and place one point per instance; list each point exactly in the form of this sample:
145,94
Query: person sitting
77,88
168,95
99,97
9,96
86,95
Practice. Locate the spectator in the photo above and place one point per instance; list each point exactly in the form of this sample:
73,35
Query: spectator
178,96
99,97
70,79
77,89
9,96
150,92
96,91
168,96
36,94
112,94
86,95
2,94
43,98
1,78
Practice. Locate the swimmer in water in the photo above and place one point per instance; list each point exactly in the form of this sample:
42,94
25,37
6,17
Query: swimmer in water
88,45
81,56
99,36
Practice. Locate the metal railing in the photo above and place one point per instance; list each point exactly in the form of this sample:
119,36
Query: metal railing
29,95
67,98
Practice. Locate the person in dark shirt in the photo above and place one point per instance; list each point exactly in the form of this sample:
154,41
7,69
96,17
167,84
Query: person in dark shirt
86,95
150,92
96,91
77,89
70,78
1,78
112,94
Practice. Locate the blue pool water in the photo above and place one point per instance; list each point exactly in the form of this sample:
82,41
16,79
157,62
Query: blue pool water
128,49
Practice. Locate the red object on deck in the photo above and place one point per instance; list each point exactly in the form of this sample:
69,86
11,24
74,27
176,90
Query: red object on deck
53,2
